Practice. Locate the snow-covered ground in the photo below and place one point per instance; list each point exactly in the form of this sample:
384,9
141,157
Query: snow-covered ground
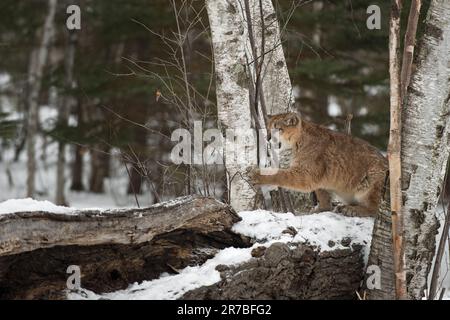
266,228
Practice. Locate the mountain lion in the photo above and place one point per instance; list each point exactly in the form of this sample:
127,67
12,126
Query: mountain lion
330,164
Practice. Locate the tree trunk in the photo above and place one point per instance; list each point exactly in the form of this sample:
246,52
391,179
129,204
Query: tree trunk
99,168
266,73
78,150
394,150
63,116
137,167
424,155
135,181
116,248
276,84
381,254
425,138
34,80
233,103
77,169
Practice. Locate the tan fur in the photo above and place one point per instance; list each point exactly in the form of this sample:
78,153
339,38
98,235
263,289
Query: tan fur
329,163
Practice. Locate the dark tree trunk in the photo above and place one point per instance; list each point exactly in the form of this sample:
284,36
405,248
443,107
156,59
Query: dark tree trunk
78,165
137,169
77,169
135,182
99,170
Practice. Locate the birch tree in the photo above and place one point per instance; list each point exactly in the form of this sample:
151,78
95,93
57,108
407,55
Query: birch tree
275,81
242,39
425,150
424,154
35,80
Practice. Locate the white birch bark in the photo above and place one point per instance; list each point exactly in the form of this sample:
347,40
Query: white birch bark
425,138
276,83
233,104
276,86
34,80
234,65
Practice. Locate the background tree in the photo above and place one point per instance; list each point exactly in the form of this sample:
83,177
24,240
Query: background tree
37,64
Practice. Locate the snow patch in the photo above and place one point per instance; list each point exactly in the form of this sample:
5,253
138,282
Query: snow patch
170,287
316,229
29,205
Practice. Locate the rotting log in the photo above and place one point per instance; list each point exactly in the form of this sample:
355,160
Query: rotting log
289,271
112,248
116,248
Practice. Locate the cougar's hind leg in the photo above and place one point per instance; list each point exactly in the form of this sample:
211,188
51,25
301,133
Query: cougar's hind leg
324,201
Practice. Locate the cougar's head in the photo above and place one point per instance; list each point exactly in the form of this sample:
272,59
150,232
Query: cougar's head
287,125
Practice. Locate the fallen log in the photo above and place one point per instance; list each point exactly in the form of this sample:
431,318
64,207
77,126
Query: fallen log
295,271
112,248
116,248
27,231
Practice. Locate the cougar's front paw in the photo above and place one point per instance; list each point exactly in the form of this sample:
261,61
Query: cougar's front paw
353,211
345,210
254,175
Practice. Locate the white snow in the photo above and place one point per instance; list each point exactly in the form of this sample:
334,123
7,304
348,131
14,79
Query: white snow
169,287
266,228
317,229
29,205
446,295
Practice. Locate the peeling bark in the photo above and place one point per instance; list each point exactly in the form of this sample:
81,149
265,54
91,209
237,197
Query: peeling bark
425,139
394,152
424,154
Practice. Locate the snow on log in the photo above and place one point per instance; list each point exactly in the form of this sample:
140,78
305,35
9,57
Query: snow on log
113,248
318,256
191,247
27,231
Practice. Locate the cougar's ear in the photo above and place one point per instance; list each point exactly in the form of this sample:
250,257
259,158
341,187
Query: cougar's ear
292,120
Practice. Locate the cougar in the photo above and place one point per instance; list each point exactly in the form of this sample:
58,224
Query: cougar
329,163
